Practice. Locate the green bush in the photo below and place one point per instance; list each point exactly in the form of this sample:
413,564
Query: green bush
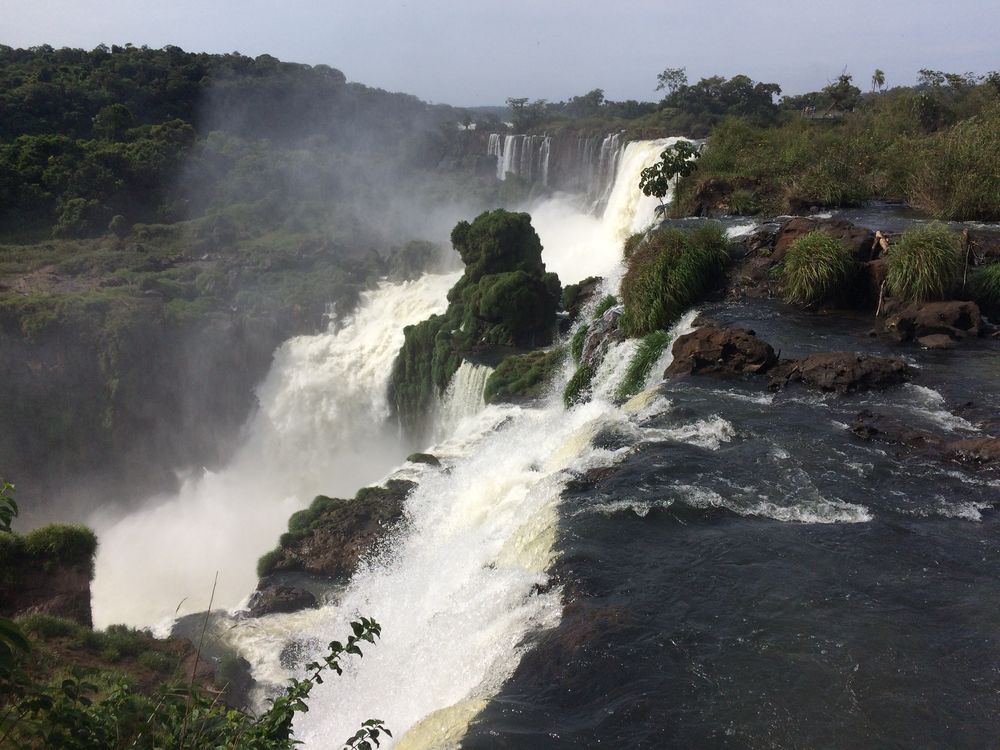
604,305
578,341
523,376
578,386
986,286
47,626
924,264
816,267
670,271
649,351
267,561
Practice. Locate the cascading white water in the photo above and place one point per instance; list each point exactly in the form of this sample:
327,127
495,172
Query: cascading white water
320,428
462,399
456,588
526,156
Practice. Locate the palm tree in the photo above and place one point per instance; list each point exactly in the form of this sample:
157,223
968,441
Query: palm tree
878,80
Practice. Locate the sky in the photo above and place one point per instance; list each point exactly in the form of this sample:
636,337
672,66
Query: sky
468,52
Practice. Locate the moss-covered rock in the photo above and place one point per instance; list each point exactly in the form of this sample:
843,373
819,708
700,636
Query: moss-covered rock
523,376
504,298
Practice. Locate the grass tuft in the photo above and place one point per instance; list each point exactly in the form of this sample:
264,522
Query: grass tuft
924,264
642,362
816,267
986,287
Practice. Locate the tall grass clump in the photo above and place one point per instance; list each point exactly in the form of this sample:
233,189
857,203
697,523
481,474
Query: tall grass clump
578,387
670,271
817,266
578,341
924,264
649,351
985,283
606,303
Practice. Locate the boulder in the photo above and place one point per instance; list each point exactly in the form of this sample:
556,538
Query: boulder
880,428
602,333
342,532
956,319
271,599
721,352
841,372
859,239
423,458
981,451
937,341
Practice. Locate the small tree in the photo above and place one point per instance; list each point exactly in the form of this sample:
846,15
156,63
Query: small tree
671,79
677,161
878,80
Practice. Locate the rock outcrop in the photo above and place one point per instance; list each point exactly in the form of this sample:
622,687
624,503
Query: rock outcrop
329,538
721,352
859,239
274,598
956,319
978,452
841,372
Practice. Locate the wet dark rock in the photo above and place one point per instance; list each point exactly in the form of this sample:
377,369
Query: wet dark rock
880,428
591,478
269,600
859,239
49,588
937,341
956,318
423,458
721,352
602,333
841,372
981,451
340,532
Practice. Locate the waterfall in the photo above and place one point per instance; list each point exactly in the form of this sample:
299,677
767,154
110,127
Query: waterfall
320,428
526,156
460,588
463,398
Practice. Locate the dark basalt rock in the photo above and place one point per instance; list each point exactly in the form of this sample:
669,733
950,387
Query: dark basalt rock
721,352
957,319
267,600
340,532
602,333
423,458
937,341
982,451
859,239
841,372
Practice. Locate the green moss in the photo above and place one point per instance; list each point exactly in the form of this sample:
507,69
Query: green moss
639,367
523,376
578,341
924,264
578,387
670,271
606,303
505,297
815,268
267,562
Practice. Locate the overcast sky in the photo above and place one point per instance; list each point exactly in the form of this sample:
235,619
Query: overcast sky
467,52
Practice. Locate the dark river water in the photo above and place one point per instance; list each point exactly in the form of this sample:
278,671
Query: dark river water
795,587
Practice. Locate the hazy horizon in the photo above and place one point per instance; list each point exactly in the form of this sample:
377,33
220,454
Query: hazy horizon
475,55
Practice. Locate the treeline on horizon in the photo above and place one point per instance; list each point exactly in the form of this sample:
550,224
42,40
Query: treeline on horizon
933,145
161,135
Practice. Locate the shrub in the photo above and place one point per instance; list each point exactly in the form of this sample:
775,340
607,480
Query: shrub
986,286
642,362
604,305
924,264
668,273
47,626
523,375
578,341
578,386
267,561
816,267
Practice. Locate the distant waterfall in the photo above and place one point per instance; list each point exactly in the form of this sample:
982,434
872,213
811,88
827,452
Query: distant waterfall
526,156
582,165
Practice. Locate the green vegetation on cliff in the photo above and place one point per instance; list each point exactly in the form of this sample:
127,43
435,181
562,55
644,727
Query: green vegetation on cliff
639,367
523,376
45,548
667,273
504,298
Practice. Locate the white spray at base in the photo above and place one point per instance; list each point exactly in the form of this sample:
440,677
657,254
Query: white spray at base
320,428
